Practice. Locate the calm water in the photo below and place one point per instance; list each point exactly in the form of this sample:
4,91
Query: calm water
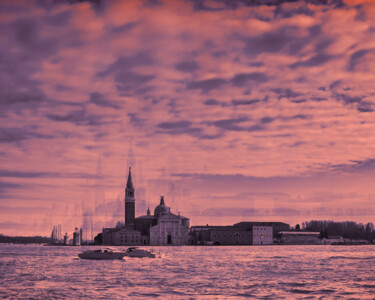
260,272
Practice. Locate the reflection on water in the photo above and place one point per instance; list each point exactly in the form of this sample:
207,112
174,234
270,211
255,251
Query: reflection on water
260,272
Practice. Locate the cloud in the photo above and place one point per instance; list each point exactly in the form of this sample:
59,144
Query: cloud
244,102
365,107
178,127
231,124
81,118
125,63
240,80
124,28
17,134
286,93
188,66
100,100
222,5
314,61
266,120
58,19
367,165
356,58
31,174
206,85
213,102
174,125
6,186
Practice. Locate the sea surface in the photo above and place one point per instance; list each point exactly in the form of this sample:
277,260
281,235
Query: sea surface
190,272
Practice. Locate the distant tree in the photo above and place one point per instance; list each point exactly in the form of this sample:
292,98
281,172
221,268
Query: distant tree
369,228
99,238
298,227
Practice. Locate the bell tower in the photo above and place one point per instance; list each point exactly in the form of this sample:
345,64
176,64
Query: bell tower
129,200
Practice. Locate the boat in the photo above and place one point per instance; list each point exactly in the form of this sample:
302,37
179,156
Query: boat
140,252
107,253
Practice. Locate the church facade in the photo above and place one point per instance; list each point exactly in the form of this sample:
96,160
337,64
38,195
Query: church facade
161,228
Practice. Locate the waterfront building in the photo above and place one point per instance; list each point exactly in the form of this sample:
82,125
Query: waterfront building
262,235
76,237
66,239
170,229
243,233
161,228
299,238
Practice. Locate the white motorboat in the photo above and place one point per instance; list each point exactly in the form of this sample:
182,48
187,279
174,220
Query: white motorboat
140,252
107,253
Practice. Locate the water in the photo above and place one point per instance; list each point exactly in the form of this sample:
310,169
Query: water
191,272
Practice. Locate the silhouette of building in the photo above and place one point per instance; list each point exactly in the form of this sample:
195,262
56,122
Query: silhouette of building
299,238
243,233
162,228
77,237
129,201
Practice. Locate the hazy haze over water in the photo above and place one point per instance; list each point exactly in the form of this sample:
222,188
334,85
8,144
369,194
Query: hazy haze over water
259,272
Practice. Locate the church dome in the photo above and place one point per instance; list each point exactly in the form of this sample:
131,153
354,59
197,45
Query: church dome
161,209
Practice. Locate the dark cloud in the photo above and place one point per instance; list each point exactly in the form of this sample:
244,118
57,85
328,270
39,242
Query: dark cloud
348,99
240,80
334,84
266,120
100,100
125,63
128,81
31,174
299,101
286,93
20,174
365,107
316,60
212,102
256,127
285,39
231,124
27,34
80,118
282,12
319,99
218,53
14,134
213,6
124,28
179,127
174,125
300,116
135,120
206,85
8,185
356,166
256,64
244,102
59,19
270,42
26,48
187,66
355,58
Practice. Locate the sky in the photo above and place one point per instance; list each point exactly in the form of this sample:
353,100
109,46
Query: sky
236,111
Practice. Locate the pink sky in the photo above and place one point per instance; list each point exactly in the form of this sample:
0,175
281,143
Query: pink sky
250,111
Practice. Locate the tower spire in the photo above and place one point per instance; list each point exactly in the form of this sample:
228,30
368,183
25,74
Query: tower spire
129,200
129,184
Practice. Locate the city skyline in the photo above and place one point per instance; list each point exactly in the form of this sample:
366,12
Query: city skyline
234,110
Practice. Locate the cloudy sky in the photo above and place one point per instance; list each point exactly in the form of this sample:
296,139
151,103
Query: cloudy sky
236,110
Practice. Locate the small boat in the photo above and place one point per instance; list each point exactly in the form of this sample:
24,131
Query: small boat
107,253
140,252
